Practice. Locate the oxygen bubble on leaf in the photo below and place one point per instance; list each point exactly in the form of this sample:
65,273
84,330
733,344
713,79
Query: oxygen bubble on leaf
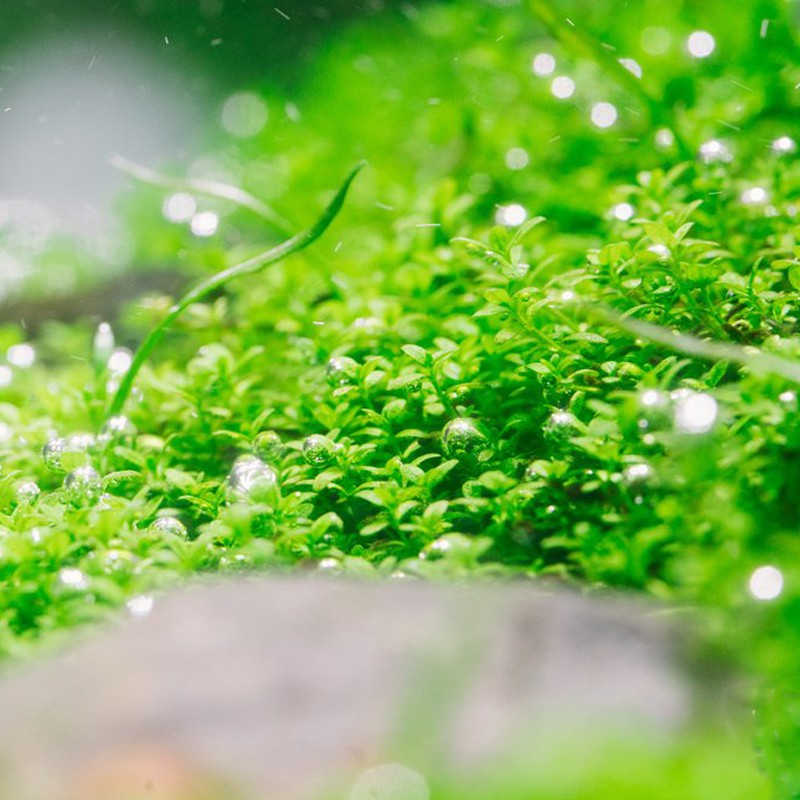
26,492
52,453
341,370
714,152
695,413
463,437
170,526
251,480
82,486
560,424
268,446
318,450
784,146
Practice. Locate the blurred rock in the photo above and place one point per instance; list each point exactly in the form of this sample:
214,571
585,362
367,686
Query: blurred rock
280,686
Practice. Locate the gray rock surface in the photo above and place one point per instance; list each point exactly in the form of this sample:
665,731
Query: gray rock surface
281,685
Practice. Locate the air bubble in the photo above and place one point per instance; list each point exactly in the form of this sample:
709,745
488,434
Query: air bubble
251,480
341,370
603,115
700,44
784,146
82,486
268,446
562,87
543,64
463,437
117,428
695,412
26,492
169,526
318,450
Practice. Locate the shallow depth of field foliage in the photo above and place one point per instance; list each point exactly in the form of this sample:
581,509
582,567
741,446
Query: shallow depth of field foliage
437,391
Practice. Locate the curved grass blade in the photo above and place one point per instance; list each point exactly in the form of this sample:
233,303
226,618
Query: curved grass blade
751,357
206,187
206,287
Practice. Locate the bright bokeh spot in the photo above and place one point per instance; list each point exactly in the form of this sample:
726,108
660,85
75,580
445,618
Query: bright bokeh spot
517,158
603,115
766,583
511,215
715,152
632,66
700,44
244,114
622,211
655,40
543,64
754,196
179,207
784,145
695,413
205,223
562,87
21,355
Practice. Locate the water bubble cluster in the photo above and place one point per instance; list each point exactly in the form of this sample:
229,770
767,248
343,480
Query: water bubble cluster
251,480
463,437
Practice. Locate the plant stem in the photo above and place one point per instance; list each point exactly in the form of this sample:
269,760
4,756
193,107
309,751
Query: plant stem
206,287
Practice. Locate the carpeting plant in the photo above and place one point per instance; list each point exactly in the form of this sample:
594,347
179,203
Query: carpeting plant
482,376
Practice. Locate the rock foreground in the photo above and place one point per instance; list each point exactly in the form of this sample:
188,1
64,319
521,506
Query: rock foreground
279,686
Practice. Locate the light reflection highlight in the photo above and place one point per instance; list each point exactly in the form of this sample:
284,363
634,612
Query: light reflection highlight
766,583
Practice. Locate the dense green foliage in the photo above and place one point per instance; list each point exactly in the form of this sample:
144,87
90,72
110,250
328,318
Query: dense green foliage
434,395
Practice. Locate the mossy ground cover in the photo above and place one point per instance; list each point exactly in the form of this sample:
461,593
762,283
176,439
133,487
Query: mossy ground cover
474,373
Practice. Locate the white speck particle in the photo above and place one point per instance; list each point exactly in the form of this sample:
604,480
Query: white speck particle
179,207
21,355
622,211
517,158
695,413
700,44
511,215
205,223
632,66
562,87
766,583
543,64
244,114
603,115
